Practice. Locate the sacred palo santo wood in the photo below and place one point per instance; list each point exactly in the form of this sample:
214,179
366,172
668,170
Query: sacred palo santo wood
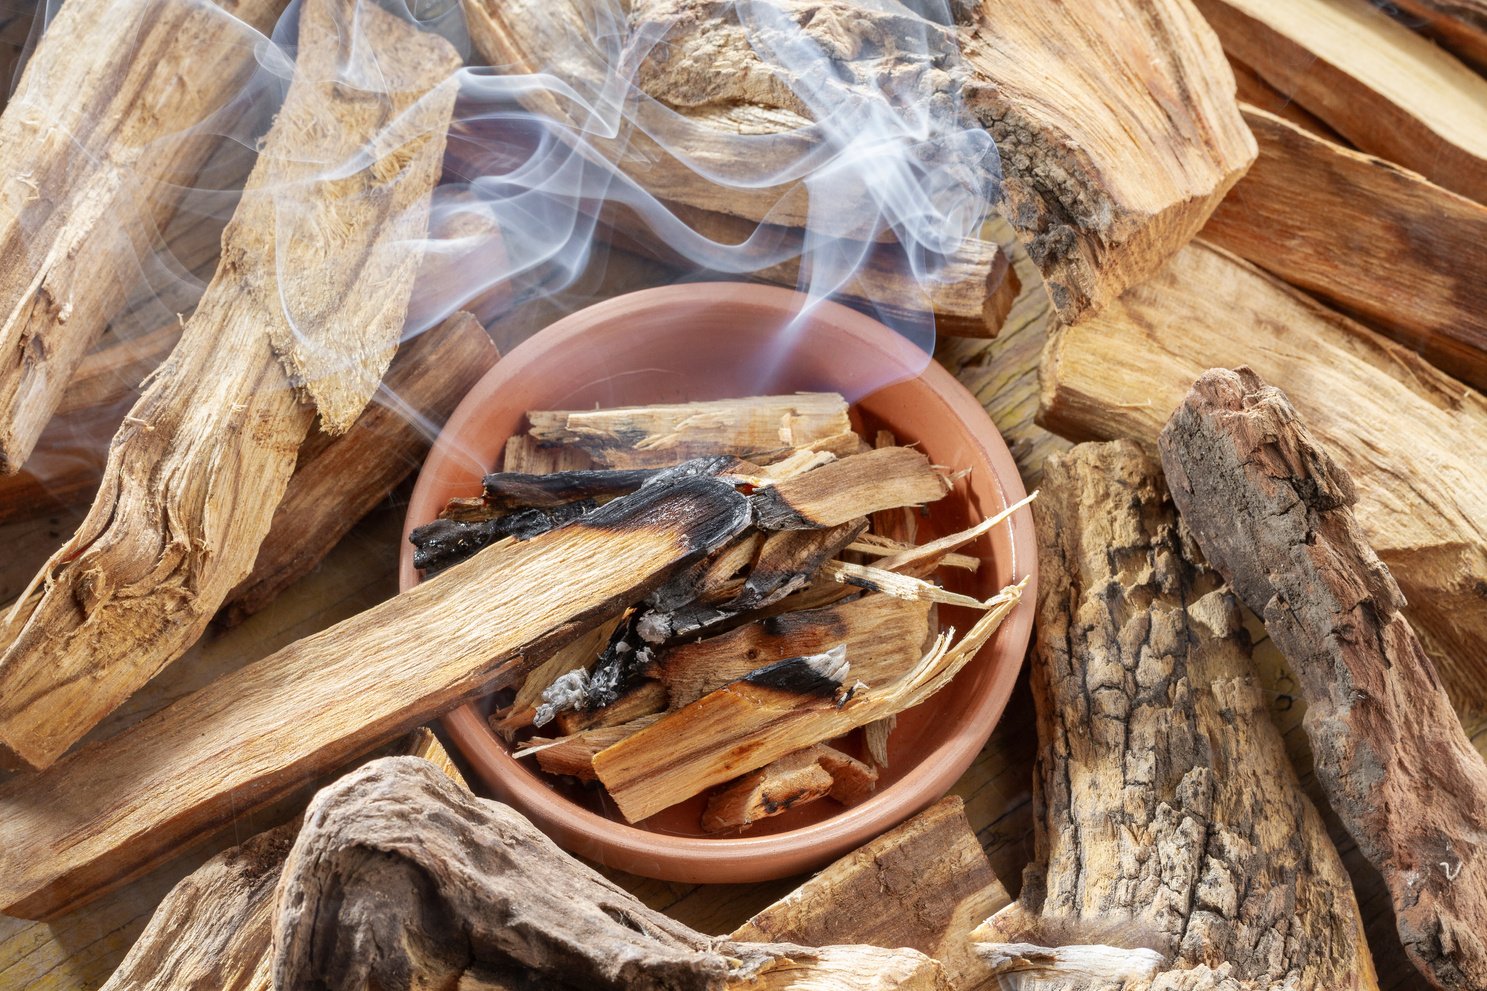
101,815
201,462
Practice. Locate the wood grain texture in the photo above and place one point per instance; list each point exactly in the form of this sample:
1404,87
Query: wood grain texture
98,152
925,885
199,465
401,880
117,807
339,480
1380,242
1387,90
1412,437
1170,823
1460,25
1273,512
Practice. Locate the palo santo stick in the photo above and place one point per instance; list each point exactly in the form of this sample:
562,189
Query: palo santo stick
1273,512
897,585
524,454
1416,241
661,435
521,490
573,754
944,545
1381,86
122,805
745,726
876,480
215,927
340,480
792,781
644,699
401,879
873,545
203,459
103,136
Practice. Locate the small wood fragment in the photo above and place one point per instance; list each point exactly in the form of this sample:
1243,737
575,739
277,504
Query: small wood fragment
131,801
400,880
792,781
896,585
833,494
661,435
872,545
1273,512
573,754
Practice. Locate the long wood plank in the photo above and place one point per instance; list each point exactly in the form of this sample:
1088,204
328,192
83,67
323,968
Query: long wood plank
1381,242
109,811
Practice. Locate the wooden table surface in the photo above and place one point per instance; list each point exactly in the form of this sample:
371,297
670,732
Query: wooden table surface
80,950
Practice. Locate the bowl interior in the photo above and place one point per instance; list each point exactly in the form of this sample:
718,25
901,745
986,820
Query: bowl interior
720,341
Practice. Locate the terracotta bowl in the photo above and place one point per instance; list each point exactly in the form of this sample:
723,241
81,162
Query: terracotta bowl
722,340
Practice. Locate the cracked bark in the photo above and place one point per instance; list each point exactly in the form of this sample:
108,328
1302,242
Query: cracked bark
1274,513
1170,825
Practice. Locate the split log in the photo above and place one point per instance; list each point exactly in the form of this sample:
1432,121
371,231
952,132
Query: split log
1386,89
99,151
833,494
794,780
1097,210
203,459
923,885
110,810
762,717
1273,512
1258,93
661,435
339,480
1169,821
1409,263
1408,434
400,880
214,928
1460,25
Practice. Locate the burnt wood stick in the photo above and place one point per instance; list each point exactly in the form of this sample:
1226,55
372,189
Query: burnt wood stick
1167,816
124,804
1294,214
788,560
1273,511
1119,374
519,490
214,928
203,459
338,482
765,716
401,880
442,543
662,435
923,885
103,149
859,485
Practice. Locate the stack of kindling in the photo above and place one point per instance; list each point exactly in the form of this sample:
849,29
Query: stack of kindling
746,672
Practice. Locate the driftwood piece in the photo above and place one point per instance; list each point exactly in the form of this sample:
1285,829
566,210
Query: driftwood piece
401,880
202,460
843,490
1409,264
128,802
339,480
1097,210
1273,512
924,885
1460,25
1168,818
662,435
781,785
214,928
758,719
1411,437
1386,89
99,149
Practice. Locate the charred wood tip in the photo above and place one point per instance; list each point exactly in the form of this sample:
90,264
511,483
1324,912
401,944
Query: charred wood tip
820,674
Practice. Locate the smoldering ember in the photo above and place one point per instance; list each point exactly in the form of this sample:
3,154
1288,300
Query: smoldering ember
753,494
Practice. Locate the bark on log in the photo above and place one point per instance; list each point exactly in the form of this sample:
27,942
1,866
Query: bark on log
107,127
1168,817
124,804
214,929
400,880
1097,210
1412,437
1273,512
200,464
1409,262
924,885
339,480
1387,90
